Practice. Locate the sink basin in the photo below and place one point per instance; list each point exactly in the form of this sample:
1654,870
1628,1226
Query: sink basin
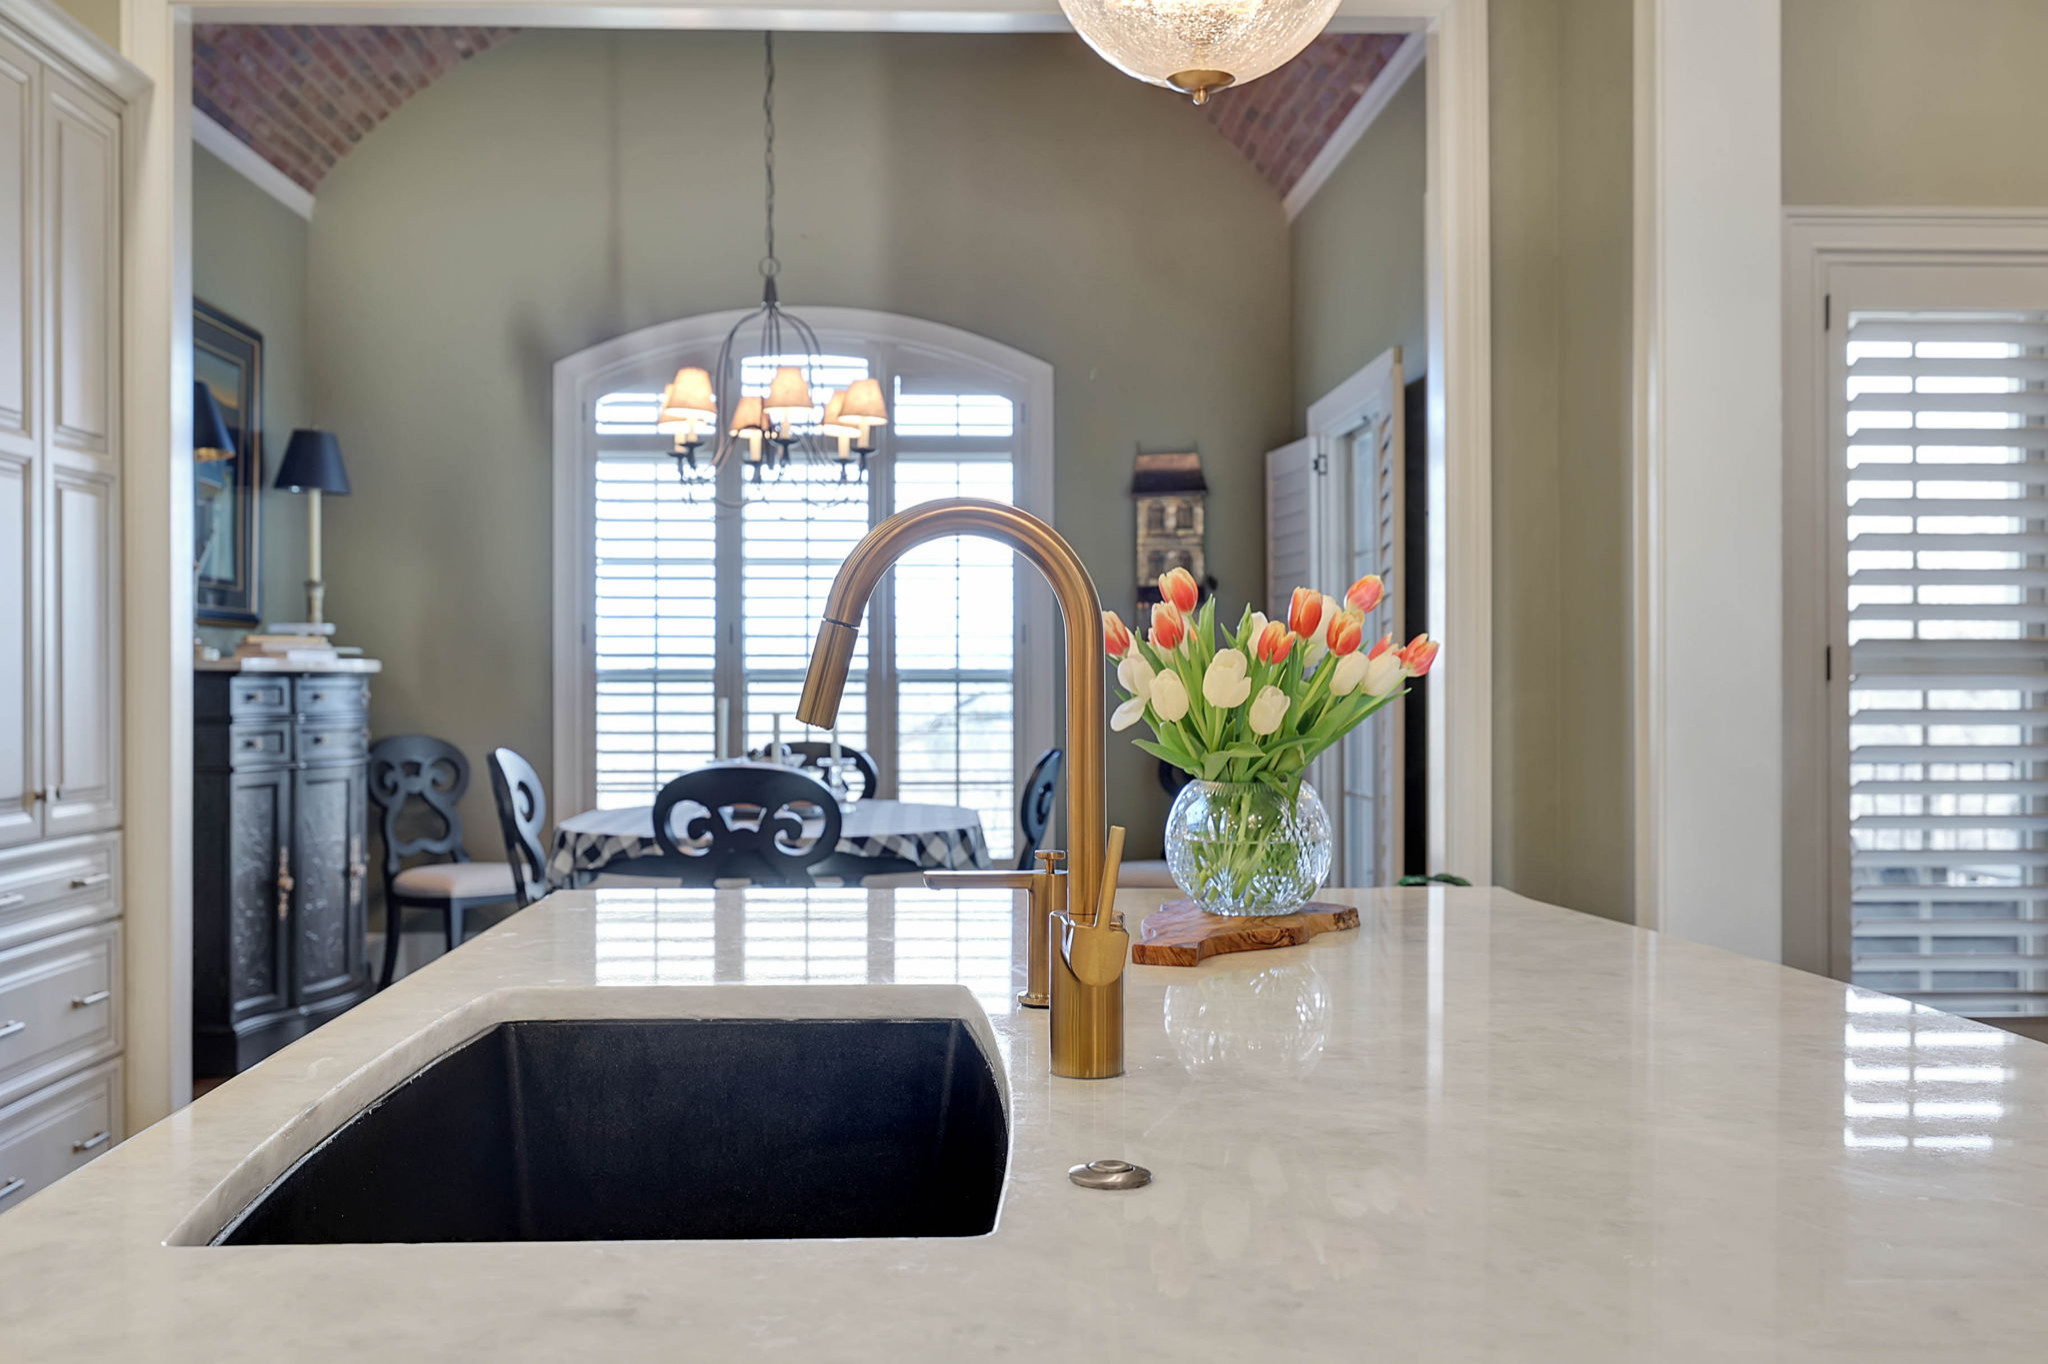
662,1129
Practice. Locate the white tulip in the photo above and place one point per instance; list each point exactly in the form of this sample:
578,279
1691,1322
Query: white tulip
1127,714
1268,710
1258,624
1350,672
1169,697
1383,674
1135,674
1225,685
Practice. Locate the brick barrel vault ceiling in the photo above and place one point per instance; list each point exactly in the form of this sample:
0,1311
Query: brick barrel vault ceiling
303,95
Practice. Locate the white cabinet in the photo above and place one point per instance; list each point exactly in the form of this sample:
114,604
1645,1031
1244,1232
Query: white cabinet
60,187
60,599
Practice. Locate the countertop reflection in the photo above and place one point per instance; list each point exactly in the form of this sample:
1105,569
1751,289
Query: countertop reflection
1476,1129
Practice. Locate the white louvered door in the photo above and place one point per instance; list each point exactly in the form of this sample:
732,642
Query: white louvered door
1941,413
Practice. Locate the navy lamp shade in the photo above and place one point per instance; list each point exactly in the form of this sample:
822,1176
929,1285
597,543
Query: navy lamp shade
212,441
312,464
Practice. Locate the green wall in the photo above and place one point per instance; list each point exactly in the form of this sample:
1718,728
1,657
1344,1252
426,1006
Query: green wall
1903,102
568,187
249,260
1563,214
1359,255
103,17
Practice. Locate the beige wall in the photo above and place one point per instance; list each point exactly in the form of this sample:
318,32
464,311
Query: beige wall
1906,102
103,17
1359,255
249,260
1562,225
568,187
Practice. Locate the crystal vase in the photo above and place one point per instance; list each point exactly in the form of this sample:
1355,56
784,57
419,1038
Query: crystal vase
1246,848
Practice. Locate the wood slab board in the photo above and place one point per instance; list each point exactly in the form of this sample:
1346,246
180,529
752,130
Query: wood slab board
1180,934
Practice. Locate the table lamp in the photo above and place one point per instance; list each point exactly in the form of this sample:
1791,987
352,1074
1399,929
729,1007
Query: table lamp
212,441
312,465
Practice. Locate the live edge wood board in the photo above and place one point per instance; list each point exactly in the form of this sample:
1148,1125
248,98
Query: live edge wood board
1180,934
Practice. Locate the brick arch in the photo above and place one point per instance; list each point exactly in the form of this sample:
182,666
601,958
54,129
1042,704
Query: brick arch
303,95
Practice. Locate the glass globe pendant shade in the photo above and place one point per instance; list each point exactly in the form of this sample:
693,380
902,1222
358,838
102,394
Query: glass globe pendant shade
1198,46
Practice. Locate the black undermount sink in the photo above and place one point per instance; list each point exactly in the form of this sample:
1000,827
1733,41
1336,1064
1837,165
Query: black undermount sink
669,1129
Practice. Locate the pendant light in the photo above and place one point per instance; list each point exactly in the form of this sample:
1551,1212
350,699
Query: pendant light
1198,46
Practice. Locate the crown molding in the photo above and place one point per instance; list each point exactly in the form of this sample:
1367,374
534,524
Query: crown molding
1406,61
249,163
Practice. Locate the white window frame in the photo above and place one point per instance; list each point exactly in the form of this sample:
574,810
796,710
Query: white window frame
1819,242
581,379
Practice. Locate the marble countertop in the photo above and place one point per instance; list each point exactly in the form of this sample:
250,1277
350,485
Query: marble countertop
1476,1129
345,663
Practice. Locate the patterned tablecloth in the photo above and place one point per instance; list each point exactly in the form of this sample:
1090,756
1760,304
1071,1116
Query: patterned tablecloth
922,835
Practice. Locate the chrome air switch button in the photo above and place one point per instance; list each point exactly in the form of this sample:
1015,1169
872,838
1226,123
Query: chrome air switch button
1110,1174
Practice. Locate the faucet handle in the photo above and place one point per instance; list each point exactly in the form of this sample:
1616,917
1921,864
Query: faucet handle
1049,859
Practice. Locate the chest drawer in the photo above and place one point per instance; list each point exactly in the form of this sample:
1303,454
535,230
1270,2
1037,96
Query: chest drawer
56,886
57,1129
254,697
333,743
60,1007
332,694
261,744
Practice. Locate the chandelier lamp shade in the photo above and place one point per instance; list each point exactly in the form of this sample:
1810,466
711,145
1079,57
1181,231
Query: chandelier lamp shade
766,426
1198,46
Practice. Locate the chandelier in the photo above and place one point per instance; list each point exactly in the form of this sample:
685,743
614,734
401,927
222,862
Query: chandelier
767,431
1198,46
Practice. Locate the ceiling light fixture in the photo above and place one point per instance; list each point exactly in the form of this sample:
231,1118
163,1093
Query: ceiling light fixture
1198,46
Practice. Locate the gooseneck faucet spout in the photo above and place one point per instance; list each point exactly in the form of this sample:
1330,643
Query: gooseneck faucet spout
1088,945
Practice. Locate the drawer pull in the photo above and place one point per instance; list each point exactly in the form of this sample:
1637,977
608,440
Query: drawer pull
317,697
98,1138
12,1186
11,899
12,1026
319,738
98,878
87,1001
251,743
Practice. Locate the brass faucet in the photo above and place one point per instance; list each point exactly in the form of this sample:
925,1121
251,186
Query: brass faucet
1078,943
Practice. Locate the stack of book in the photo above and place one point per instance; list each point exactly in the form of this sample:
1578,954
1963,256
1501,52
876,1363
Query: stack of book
297,642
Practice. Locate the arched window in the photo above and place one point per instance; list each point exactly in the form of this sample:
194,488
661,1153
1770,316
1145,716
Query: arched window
683,624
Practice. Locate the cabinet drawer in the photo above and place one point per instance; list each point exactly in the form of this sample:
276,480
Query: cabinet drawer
260,745
342,743
254,697
60,1007
334,694
57,1129
52,887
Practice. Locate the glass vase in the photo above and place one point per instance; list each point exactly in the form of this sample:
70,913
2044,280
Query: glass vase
1245,848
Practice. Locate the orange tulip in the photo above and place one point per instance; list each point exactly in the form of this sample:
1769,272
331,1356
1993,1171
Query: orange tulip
1384,643
1305,612
1276,641
1178,587
1420,654
1116,636
1365,594
1169,627
1346,633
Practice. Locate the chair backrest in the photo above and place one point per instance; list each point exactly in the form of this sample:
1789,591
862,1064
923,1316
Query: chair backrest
409,767
1035,811
815,756
522,815
1171,778
774,849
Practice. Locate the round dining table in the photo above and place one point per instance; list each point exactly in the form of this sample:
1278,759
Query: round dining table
890,833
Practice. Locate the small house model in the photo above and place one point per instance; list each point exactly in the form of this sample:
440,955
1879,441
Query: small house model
1170,493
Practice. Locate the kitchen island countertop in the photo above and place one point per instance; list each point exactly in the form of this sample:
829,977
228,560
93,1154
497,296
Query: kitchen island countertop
1478,1128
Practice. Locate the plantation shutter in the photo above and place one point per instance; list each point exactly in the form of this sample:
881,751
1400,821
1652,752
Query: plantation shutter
1947,506
1294,539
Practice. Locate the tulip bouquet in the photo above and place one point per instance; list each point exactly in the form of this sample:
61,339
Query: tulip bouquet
1253,706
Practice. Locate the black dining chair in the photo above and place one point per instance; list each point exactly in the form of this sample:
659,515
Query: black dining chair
1034,812
773,850
408,770
815,756
522,816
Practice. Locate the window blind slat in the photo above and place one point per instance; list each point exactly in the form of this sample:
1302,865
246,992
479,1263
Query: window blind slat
1948,631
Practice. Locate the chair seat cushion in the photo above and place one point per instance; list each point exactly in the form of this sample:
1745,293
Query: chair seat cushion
456,881
1145,874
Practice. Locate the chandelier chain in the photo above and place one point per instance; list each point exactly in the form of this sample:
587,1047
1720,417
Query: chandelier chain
770,266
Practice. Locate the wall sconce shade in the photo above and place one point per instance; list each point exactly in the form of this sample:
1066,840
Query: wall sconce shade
212,441
312,464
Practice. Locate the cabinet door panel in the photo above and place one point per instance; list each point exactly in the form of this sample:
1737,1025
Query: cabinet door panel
81,179
18,306
21,818
81,757
259,892
328,931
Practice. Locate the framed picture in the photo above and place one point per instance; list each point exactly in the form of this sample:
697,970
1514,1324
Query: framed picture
227,356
